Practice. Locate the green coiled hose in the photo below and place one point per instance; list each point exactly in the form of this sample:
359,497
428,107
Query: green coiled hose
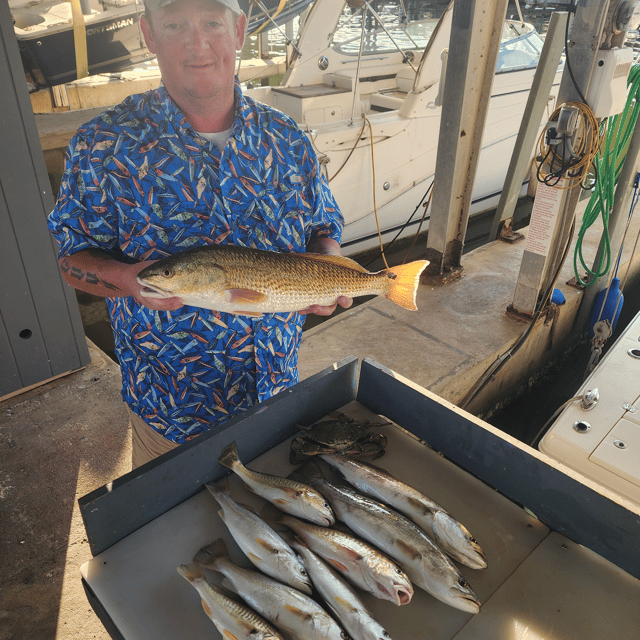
609,162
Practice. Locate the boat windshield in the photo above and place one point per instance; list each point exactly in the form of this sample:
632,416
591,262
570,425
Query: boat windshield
520,47
377,40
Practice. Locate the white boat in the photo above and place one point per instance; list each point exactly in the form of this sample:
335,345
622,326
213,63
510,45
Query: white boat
328,87
598,434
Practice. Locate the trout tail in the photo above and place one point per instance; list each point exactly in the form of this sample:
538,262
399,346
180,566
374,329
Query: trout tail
229,456
405,284
219,488
191,572
208,556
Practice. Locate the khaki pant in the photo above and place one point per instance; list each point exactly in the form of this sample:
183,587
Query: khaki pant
146,443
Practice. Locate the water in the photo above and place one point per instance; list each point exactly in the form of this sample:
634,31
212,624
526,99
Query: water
392,13
528,414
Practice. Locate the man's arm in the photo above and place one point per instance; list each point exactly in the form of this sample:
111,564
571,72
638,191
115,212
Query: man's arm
327,246
98,273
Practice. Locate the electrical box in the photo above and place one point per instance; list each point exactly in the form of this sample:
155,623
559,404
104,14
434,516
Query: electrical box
608,89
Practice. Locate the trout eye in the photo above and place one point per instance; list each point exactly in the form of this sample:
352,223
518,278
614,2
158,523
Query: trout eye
303,572
166,273
463,583
399,571
391,275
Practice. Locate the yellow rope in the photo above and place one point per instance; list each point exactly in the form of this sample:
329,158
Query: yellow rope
552,164
342,166
415,237
375,206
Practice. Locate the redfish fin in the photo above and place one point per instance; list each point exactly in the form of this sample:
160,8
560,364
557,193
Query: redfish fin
341,261
405,285
244,295
240,312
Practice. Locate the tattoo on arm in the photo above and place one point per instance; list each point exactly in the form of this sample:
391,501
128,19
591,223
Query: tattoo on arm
88,277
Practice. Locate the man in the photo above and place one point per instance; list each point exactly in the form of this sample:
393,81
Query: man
193,162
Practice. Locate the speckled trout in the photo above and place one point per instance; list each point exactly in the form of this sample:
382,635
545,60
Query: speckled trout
288,495
450,535
360,562
294,613
260,543
398,537
341,598
232,619
249,281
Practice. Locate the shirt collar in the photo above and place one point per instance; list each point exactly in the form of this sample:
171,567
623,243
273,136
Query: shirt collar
178,120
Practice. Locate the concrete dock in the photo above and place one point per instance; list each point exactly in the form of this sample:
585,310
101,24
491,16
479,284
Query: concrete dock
69,436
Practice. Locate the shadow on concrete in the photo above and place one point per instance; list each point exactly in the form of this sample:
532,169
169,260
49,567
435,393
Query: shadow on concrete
59,442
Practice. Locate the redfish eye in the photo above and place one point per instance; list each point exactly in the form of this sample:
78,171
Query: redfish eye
167,273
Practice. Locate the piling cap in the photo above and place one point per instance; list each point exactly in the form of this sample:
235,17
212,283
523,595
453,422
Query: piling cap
152,5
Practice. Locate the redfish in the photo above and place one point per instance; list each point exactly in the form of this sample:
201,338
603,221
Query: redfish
249,281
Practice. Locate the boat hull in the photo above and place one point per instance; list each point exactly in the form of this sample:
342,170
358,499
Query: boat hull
113,44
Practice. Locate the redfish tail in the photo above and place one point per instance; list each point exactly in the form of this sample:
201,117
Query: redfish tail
405,285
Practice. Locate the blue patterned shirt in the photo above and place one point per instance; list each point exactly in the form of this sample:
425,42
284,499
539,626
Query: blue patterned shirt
140,184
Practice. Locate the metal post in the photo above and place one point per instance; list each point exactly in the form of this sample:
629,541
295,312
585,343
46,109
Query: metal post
263,45
473,50
539,262
536,103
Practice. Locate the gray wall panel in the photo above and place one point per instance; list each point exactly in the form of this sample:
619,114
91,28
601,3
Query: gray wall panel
43,330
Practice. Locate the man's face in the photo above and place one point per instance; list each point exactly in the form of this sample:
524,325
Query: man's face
195,42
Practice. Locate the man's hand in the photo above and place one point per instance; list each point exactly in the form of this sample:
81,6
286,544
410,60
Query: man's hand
319,310
98,273
156,304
